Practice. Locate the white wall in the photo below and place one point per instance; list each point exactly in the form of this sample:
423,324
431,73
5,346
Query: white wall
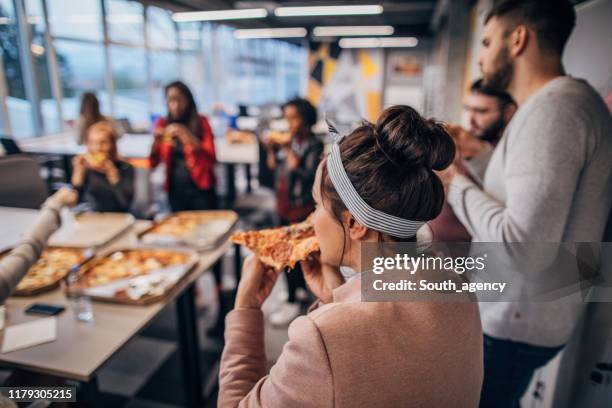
589,52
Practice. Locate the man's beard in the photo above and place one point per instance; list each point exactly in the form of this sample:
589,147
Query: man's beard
503,71
493,132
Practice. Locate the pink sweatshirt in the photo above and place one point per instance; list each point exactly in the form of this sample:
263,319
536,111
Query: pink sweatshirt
350,353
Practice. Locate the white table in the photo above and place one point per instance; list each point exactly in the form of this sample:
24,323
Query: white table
138,146
82,348
135,146
14,222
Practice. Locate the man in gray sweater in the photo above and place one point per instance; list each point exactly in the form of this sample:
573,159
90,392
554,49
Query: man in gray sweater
549,180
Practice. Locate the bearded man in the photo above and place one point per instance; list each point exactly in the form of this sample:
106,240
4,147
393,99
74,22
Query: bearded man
548,180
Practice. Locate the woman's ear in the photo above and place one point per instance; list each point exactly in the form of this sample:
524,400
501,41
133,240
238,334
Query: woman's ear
357,232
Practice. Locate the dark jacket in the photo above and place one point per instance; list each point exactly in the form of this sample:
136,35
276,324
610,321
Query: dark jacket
98,192
300,180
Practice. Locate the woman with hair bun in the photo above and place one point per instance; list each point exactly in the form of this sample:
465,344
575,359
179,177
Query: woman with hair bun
378,184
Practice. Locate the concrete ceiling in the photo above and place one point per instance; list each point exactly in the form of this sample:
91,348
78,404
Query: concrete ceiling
409,17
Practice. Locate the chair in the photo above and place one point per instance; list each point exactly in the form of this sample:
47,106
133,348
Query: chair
20,182
50,165
9,145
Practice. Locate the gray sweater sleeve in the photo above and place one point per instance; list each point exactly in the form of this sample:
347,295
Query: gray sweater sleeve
15,265
477,165
543,160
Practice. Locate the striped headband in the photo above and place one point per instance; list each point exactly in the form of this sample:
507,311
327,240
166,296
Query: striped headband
366,215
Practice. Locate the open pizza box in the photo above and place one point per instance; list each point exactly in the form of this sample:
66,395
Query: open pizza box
90,230
50,269
137,275
200,230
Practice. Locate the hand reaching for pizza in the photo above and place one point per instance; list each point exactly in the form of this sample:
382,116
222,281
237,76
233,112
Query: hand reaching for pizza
255,284
321,278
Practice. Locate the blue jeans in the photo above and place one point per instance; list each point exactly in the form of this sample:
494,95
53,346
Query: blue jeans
508,368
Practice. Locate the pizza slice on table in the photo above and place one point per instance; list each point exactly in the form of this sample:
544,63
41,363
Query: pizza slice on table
280,247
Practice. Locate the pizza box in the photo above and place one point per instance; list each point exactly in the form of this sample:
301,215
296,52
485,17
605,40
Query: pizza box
214,226
139,289
86,256
91,229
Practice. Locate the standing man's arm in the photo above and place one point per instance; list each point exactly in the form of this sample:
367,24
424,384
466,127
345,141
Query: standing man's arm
542,166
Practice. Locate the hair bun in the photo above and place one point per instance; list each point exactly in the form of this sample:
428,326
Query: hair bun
409,140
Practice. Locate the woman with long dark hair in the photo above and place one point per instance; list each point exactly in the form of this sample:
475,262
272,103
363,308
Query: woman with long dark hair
89,114
184,142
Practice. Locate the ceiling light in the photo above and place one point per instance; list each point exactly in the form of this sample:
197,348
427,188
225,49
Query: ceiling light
216,15
270,33
328,10
342,31
374,42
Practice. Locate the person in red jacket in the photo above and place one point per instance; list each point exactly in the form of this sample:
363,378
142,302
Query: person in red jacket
184,142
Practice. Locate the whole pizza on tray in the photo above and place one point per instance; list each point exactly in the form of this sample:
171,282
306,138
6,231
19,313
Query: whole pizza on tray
52,266
280,247
131,263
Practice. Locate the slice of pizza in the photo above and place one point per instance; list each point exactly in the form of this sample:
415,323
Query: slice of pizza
280,138
95,159
281,247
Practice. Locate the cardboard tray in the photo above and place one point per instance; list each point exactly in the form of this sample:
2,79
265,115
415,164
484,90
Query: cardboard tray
147,299
90,230
50,286
191,241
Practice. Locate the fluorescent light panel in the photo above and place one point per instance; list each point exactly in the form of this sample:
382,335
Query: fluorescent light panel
375,42
215,15
270,33
344,31
328,10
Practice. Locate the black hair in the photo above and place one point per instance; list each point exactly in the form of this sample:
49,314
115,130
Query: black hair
503,97
307,112
189,118
552,20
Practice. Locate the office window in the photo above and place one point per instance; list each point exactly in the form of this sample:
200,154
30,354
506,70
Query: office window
131,97
161,30
164,69
191,68
82,70
190,36
19,108
125,20
40,50
76,19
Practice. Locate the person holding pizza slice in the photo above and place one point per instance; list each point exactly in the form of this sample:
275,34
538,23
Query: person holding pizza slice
104,181
184,142
294,162
378,184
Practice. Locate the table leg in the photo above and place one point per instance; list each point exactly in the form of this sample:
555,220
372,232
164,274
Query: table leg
249,188
189,347
218,328
67,167
237,263
230,170
88,391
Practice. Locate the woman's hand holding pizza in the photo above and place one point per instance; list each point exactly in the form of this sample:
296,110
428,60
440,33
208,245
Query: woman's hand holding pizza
79,167
255,284
182,133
